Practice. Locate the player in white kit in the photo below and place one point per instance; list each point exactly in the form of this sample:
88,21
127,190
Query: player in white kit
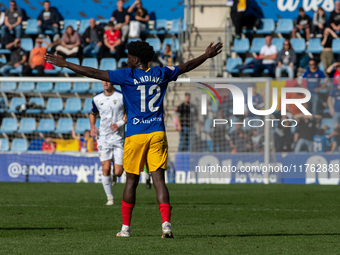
111,134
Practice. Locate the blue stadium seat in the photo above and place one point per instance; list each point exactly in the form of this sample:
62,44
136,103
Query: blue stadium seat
284,26
5,51
90,62
108,64
160,27
328,122
336,45
19,145
56,70
44,87
31,27
314,46
64,126
322,69
118,88
257,44
80,87
25,86
38,101
231,63
278,42
174,27
298,44
82,125
8,86
241,45
120,62
27,44
27,126
97,87
267,27
248,70
70,22
87,105
62,87
16,101
54,105
73,61
84,24
207,125
4,145
9,125
3,104
73,105
173,42
46,126
155,43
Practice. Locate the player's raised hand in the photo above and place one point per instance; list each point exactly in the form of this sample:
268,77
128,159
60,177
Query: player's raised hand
93,131
213,50
55,59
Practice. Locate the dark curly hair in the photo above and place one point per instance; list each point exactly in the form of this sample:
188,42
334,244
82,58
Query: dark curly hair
141,50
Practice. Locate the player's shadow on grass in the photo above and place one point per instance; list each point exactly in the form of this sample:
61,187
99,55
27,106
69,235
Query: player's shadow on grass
261,235
35,228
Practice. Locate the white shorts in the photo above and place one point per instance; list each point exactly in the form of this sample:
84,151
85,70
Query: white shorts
113,152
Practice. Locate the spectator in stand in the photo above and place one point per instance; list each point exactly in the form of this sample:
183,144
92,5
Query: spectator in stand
304,134
141,19
237,12
334,18
257,139
13,19
17,59
240,141
86,142
335,140
48,19
37,56
286,60
327,55
112,42
320,141
268,54
292,108
335,94
93,36
167,57
257,102
48,145
283,136
218,135
314,76
70,42
187,116
319,22
302,24
122,19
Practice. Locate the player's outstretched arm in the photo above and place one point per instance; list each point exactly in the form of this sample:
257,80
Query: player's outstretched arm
58,60
210,52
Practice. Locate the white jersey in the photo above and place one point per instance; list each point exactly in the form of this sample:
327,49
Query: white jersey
111,110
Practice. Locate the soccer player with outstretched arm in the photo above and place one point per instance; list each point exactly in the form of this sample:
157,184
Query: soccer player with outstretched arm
143,91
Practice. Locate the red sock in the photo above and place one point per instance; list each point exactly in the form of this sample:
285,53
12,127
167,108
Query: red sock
165,212
127,212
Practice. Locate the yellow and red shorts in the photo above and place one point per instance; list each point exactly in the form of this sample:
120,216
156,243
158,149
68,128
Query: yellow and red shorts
145,149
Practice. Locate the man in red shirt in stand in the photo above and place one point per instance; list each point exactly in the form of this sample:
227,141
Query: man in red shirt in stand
112,42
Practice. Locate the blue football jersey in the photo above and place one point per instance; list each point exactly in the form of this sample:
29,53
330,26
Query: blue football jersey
320,143
143,94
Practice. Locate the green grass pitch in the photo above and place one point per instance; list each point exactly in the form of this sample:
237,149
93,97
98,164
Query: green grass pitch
207,219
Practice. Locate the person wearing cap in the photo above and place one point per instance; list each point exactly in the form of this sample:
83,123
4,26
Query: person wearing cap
37,56
112,42
187,116
17,59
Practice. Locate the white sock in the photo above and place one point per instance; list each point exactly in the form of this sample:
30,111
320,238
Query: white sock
107,184
124,227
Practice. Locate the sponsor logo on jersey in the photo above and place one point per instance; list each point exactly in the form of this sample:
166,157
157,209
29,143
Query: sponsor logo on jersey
135,121
149,121
115,101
